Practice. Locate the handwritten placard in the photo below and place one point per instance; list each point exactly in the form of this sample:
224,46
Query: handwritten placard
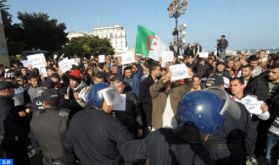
64,65
127,58
38,61
178,72
25,63
203,54
167,56
252,104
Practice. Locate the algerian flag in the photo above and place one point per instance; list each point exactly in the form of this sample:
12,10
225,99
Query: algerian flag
148,44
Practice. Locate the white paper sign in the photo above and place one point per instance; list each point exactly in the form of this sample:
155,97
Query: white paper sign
127,58
77,60
64,65
252,104
203,54
72,61
84,94
25,63
38,61
120,106
178,72
167,56
102,58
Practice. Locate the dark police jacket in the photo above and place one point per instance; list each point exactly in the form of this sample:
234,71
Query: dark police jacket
163,147
48,126
234,140
93,137
10,130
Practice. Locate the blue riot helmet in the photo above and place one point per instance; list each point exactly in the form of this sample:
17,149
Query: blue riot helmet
201,108
95,97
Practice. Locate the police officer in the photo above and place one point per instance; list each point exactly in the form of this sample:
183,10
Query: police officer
48,127
233,142
12,135
198,115
93,133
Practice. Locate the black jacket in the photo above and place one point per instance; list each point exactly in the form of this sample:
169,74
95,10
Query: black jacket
131,117
144,94
259,86
9,120
145,99
94,135
163,147
13,137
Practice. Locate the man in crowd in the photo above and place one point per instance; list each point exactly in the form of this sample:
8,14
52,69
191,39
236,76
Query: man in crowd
144,94
72,99
165,98
222,45
246,73
196,83
131,117
35,85
133,79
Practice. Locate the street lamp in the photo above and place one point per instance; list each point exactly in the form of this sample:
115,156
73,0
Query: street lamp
176,9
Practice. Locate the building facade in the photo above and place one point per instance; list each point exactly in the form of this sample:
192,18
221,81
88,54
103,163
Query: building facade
116,34
72,35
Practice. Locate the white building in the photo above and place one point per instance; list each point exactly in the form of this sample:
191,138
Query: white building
72,35
116,34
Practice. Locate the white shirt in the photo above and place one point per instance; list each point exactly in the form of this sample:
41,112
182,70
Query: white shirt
168,115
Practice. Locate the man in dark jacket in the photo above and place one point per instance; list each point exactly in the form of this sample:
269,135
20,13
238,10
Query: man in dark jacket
144,94
222,45
48,127
12,136
93,134
131,116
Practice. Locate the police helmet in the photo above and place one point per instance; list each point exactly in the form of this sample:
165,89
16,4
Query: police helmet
95,97
201,108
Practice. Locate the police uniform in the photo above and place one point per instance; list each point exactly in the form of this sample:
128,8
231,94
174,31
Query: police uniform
48,127
164,147
93,136
233,141
12,136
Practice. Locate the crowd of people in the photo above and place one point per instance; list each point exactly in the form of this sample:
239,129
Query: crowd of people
64,118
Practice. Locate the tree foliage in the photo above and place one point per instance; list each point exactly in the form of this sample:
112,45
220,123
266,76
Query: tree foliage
40,32
34,31
87,46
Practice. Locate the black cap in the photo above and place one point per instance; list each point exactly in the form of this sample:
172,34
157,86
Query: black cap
7,84
214,80
55,75
51,96
47,84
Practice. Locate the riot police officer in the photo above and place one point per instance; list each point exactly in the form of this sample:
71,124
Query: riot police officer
48,126
198,115
93,133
